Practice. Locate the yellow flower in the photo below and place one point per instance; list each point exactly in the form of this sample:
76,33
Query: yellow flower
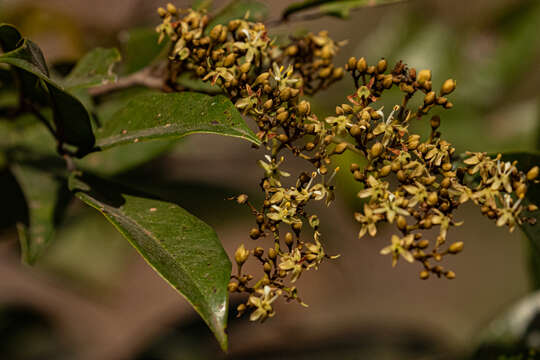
399,247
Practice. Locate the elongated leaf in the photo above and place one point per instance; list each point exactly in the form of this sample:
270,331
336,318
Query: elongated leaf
256,11
168,116
46,196
336,8
525,162
513,332
71,118
181,248
95,68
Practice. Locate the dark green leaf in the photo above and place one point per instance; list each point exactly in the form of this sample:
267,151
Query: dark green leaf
169,116
181,248
71,118
256,10
525,162
46,197
140,48
95,68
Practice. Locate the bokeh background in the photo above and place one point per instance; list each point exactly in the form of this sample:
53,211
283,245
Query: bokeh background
92,297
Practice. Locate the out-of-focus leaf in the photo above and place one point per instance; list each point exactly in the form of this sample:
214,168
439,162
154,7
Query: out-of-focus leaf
170,116
71,119
256,11
95,68
202,4
140,48
515,331
46,196
339,9
181,248
525,162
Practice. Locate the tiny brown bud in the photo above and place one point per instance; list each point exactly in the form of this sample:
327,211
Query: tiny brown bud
272,254
258,252
376,149
267,267
292,50
532,207
448,86
268,104
162,12
358,175
401,222
324,73
351,63
241,199
429,98
456,247
388,81
401,176
283,138
171,9
423,244
244,68
282,117
381,66
304,108
361,65
355,130
432,199
309,146
435,122
423,76
289,239
254,233
215,33
241,255
532,174
424,275
385,170
450,275
340,148
232,286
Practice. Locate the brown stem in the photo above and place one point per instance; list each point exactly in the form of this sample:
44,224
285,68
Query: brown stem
145,77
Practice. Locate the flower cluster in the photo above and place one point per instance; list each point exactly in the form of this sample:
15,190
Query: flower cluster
407,181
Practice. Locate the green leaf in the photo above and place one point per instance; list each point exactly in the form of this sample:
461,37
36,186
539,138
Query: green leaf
46,196
525,162
140,48
170,116
95,68
256,10
71,119
513,331
339,9
202,4
184,250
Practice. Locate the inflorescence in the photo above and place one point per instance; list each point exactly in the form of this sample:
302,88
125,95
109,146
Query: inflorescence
410,182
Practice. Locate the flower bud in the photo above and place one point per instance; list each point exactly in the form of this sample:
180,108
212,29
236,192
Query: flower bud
456,247
171,9
340,148
244,68
351,63
161,12
289,239
423,76
429,98
450,275
215,33
361,65
376,149
241,199
254,233
304,108
435,122
532,173
448,86
241,255
424,275
381,66
401,222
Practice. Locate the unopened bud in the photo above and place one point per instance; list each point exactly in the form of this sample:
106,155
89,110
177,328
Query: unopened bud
241,255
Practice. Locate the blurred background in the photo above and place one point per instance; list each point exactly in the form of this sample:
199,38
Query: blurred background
92,297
